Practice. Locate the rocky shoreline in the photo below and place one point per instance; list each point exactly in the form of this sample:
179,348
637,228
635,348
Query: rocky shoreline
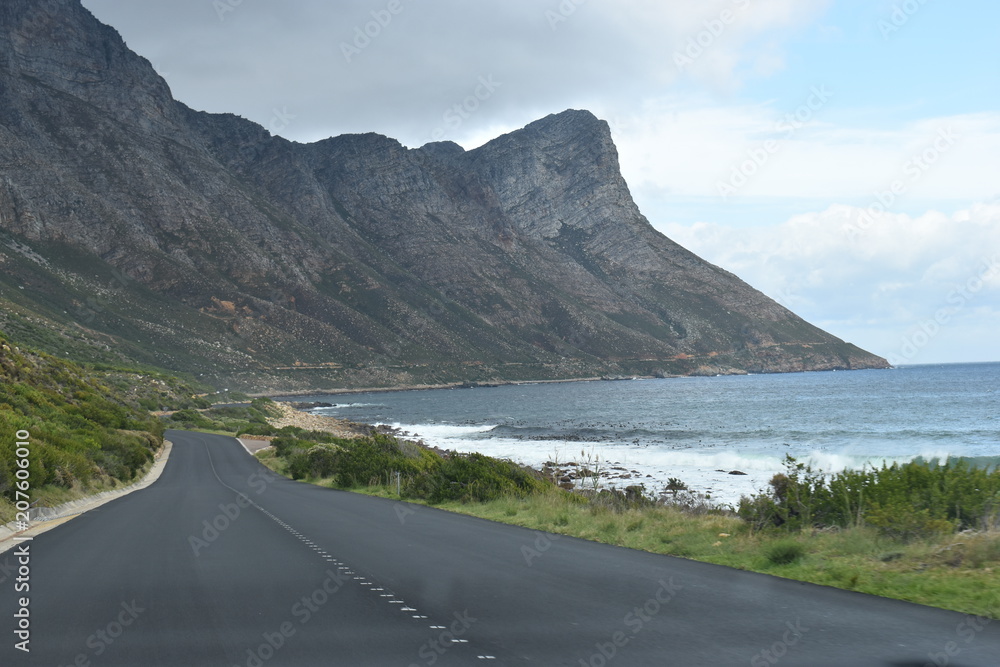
571,475
292,414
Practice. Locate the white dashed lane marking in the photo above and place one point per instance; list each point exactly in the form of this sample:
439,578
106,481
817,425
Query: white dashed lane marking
363,581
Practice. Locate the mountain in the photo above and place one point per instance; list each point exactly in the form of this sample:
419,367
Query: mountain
133,228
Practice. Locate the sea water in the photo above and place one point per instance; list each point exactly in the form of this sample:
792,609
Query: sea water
700,430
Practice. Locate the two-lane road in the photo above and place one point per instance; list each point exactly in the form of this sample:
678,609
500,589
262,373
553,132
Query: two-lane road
222,563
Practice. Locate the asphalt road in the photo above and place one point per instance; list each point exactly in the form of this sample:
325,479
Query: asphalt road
220,563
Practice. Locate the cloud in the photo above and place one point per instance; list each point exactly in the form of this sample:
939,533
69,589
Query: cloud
734,153
397,67
881,285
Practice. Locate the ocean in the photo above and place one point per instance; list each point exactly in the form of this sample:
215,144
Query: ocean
700,430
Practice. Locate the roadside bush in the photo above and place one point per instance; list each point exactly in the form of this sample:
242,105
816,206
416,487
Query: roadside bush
256,429
785,552
632,498
298,464
286,444
82,426
192,419
322,460
366,461
475,477
911,500
904,522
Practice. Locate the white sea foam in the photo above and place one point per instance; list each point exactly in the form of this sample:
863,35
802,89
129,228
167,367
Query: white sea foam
706,471
437,434
341,406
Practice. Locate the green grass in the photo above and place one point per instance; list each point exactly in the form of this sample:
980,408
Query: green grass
785,552
955,572
950,570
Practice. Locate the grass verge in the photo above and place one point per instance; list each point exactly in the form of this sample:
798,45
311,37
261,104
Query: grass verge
956,572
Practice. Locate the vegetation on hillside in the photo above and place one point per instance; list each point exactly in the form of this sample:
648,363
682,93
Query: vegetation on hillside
89,427
239,420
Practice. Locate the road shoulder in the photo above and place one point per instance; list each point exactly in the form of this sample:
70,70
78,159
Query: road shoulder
56,516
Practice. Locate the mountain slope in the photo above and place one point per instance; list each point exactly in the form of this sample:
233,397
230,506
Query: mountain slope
132,226
84,429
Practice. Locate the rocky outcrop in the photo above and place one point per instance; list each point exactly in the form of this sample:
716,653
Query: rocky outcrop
200,242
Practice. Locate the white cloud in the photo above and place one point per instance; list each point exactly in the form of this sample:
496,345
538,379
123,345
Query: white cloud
880,286
428,57
734,153
706,41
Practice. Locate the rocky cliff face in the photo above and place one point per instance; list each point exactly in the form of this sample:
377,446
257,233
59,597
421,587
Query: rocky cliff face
133,227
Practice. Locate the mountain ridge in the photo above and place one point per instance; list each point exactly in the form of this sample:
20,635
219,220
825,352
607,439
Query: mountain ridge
201,243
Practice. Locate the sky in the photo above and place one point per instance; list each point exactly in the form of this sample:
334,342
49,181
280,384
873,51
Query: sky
840,156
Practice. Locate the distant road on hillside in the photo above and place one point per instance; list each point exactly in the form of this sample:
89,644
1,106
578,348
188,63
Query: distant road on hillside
220,563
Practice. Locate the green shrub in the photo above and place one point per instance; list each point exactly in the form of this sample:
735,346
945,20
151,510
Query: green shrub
256,429
285,444
83,426
904,522
377,459
298,464
906,500
632,498
785,552
266,407
366,461
192,419
475,477
322,460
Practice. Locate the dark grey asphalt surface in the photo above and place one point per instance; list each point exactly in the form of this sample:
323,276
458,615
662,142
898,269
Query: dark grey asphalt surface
308,576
